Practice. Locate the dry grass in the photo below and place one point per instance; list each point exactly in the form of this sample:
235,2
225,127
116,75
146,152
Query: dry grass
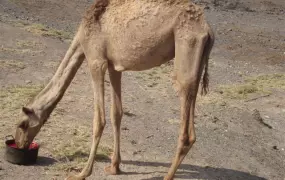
252,86
152,76
19,51
238,91
11,101
13,64
73,154
269,81
75,160
28,44
69,143
43,30
12,98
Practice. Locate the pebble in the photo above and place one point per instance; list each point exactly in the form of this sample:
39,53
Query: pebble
28,81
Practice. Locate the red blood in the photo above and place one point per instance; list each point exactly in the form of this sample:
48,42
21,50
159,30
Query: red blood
33,145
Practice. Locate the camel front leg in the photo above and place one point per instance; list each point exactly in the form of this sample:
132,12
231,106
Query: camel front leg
188,67
98,70
116,117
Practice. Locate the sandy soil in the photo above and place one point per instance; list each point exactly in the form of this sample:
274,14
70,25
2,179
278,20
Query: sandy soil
240,124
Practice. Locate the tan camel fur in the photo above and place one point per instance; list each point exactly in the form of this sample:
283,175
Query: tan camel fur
122,35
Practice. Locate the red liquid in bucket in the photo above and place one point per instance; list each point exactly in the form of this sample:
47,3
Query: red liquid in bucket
33,145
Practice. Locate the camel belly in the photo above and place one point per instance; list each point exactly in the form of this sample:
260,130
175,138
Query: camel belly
138,56
140,48
139,35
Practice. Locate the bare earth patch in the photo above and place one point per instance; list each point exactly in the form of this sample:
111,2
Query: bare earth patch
240,123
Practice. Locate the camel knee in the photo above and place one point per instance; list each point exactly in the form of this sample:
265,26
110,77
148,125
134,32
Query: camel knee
187,141
187,85
99,128
192,140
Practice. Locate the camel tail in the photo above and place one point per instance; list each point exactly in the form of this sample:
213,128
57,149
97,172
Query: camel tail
206,55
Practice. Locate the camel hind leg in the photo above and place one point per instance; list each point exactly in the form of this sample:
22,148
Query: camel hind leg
188,67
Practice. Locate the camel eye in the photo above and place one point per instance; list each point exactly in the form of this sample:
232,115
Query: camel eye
23,125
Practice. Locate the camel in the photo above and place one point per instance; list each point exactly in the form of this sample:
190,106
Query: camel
129,35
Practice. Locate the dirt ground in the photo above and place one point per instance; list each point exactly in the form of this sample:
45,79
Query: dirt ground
240,124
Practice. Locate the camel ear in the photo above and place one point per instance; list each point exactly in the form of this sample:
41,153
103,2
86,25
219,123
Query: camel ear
28,111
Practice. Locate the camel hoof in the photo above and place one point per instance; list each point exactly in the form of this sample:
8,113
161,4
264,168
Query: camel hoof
167,178
74,177
111,170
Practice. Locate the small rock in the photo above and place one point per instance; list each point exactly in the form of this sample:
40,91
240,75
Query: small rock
150,136
137,152
129,114
125,129
257,116
215,119
275,147
133,142
75,132
28,81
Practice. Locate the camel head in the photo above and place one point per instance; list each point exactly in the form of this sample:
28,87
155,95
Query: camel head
28,128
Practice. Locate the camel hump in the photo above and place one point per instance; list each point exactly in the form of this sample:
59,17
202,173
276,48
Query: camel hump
95,11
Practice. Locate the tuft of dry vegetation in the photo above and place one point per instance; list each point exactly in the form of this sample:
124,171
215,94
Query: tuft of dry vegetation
258,86
28,44
154,75
12,64
73,155
19,51
43,30
238,91
262,84
70,148
12,98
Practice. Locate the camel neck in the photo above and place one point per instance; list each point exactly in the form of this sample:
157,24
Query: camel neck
45,102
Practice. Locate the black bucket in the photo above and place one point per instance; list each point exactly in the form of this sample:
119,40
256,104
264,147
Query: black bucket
19,156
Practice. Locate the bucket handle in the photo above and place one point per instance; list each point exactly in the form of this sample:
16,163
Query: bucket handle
9,137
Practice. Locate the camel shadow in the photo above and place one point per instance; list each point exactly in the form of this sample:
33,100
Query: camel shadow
186,171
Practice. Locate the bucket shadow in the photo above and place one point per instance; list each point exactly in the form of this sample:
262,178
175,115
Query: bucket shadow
45,161
186,171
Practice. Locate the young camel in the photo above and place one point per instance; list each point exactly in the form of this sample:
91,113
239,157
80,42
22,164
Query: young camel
121,35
